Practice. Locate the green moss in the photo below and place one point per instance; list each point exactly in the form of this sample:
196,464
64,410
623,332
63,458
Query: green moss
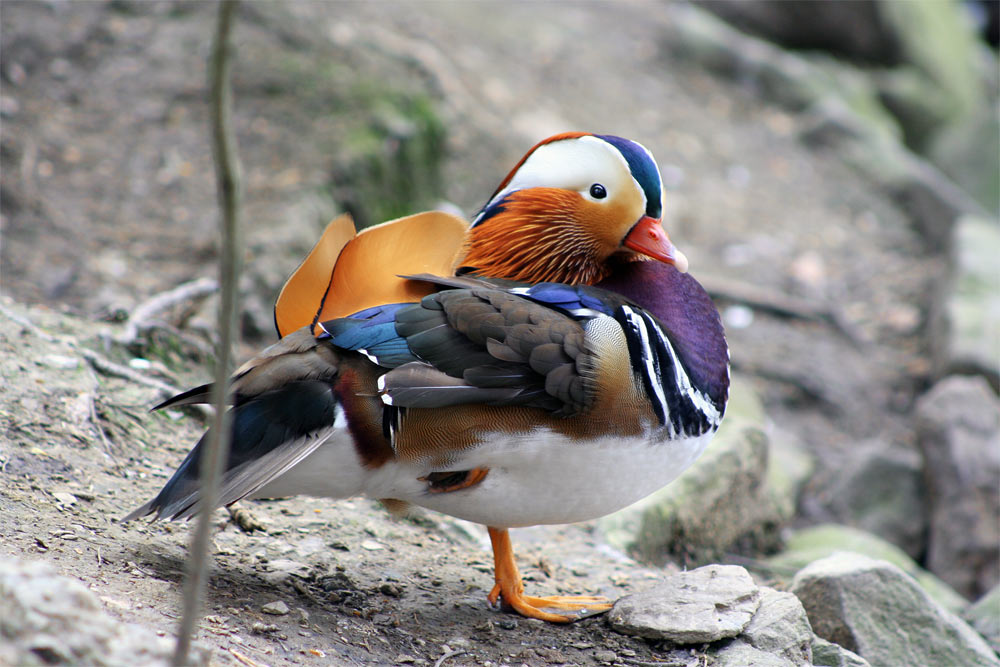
938,39
812,544
394,161
384,138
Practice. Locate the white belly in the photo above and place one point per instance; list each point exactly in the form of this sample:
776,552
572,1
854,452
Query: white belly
534,479
551,479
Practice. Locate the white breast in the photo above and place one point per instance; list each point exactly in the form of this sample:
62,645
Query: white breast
538,478
547,478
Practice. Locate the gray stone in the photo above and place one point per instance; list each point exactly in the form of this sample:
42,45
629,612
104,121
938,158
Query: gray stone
873,608
974,300
812,544
46,619
880,489
926,195
933,86
959,431
696,607
851,29
276,608
984,617
791,467
780,628
605,656
847,111
828,654
966,152
738,653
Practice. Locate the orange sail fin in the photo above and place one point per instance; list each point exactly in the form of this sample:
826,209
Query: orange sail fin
367,271
301,297
347,272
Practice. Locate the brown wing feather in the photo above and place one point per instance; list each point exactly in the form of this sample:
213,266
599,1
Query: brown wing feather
474,340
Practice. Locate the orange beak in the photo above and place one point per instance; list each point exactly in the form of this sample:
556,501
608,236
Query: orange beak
648,238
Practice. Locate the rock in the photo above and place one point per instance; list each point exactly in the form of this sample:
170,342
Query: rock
276,608
788,79
605,656
929,40
958,424
938,40
721,504
828,654
791,466
965,152
780,628
844,108
926,195
879,488
909,94
811,544
984,617
47,619
695,607
850,29
974,301
873,608
738,653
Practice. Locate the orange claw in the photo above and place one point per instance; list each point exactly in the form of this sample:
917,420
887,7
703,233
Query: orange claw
510,589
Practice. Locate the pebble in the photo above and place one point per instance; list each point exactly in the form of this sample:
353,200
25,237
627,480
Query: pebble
371,545
9,106
64,498
507,624
60,362
391,589
259,628
276,608
737,316
605,656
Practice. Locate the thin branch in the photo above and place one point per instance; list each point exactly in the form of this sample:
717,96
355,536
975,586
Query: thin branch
107,367
213,459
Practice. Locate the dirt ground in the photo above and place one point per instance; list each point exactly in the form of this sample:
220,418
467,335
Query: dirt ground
107,199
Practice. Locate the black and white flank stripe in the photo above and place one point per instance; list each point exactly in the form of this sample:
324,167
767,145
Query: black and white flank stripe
681,407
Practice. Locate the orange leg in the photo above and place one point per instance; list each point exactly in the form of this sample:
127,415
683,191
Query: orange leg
509,588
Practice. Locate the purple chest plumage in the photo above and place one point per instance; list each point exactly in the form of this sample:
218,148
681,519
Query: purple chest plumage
691,329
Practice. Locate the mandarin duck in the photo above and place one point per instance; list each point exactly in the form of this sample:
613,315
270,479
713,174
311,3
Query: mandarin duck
539,366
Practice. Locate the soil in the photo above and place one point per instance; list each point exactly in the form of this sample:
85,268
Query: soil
107,200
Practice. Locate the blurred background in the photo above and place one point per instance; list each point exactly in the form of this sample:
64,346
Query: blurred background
831,169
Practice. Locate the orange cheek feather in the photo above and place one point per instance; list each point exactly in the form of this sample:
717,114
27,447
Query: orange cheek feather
535,238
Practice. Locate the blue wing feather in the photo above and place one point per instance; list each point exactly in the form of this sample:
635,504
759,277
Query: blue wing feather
579,301
372,332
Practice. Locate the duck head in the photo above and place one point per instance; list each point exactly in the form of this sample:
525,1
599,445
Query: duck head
572,209
574,204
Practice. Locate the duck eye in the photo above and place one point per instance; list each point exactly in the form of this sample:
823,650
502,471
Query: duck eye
597,191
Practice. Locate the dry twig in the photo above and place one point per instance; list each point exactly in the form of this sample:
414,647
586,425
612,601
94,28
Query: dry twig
141,318
217,447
